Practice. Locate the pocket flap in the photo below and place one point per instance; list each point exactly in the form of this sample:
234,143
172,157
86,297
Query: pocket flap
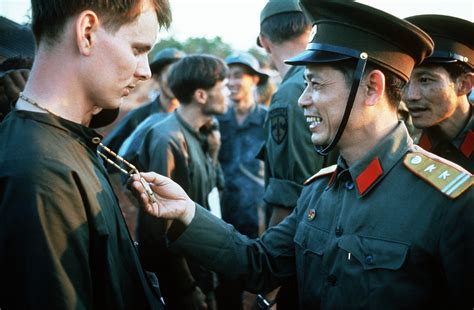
311,239
375,253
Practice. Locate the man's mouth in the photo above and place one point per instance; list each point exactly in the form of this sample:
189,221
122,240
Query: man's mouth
313,121
416,111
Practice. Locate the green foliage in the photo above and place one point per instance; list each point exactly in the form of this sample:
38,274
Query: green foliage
215,46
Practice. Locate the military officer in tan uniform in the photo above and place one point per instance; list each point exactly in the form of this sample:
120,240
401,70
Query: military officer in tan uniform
391,225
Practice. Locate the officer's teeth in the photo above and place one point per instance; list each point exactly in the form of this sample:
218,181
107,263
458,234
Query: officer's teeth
313,119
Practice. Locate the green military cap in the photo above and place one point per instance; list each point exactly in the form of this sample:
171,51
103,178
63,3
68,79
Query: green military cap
275,7
165,57
249,61
453,38
343,30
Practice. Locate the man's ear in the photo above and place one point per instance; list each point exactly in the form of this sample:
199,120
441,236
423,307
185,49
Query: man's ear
86,26
374,87
255,79
200,96
464,84
265,43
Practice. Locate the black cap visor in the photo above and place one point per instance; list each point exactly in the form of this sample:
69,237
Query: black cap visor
316,56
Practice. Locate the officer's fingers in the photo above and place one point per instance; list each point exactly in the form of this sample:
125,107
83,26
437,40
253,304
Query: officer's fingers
25,73
17,78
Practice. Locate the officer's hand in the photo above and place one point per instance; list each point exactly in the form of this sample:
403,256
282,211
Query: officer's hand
194,300
12,83
172,202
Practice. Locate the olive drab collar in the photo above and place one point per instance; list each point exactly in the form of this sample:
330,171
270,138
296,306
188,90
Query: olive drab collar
370,170
464,141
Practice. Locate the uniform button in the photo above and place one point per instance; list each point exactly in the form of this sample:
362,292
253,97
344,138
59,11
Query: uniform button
96,140
135,243
332,279
339,231
311,215
349,185
369,259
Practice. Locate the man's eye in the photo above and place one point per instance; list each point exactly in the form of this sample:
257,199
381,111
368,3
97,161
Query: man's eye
424,79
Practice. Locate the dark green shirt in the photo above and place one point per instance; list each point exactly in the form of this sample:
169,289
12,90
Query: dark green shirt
290,157
400,244
459,150
174,149
64,243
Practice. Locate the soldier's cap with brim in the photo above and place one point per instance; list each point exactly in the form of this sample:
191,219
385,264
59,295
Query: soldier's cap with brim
165,57
250,62
15,39
453,38
343,30
104,118
275,7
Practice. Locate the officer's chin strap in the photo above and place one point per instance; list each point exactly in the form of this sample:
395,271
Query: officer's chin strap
358,72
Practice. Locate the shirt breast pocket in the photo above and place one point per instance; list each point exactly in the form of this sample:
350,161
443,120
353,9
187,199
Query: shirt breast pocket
310,244
373,253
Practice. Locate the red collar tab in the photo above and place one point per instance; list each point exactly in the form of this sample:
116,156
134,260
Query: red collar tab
425,142
467,147
369,176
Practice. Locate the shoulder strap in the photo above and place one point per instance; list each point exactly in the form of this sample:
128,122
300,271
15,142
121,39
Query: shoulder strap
449,178
322,172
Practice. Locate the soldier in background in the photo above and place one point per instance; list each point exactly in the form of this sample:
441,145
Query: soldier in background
178,148
289,155
437,94
242,135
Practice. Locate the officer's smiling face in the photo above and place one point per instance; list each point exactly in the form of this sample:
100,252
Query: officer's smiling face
430,96
323,101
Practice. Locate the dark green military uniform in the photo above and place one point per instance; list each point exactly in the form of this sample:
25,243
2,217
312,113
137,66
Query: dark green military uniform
174,149
351,247
290,156
460,150
454,46
64,243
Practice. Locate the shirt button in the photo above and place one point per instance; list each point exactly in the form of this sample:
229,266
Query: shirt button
332,279
339,231
349,185
369,259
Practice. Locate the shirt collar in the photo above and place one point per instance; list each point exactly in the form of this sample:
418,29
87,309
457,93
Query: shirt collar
85,135
371,169
463,141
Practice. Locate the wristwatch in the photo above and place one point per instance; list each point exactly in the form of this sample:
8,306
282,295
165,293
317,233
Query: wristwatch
263,303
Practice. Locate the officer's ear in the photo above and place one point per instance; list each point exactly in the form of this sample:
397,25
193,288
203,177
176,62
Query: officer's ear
374,87
86,27
464,84
200,96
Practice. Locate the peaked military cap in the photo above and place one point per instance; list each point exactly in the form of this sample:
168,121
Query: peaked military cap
165,57
453,38
346,29
250,62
